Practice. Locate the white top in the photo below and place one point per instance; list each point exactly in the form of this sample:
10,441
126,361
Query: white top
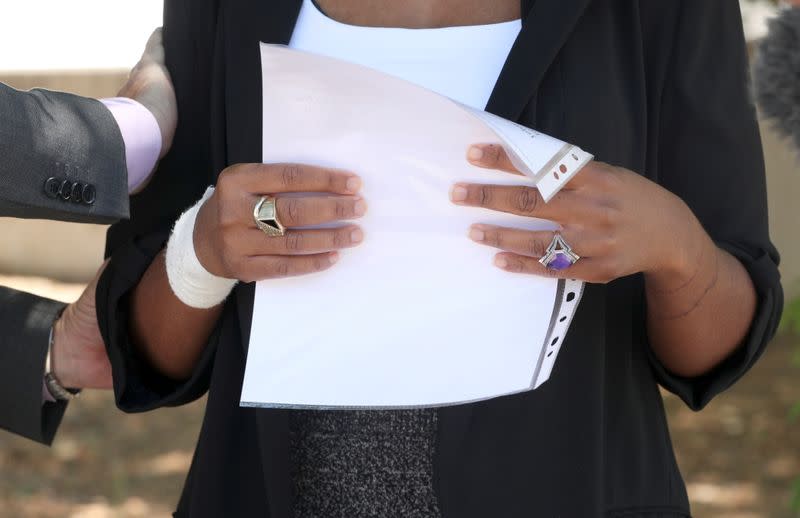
462,63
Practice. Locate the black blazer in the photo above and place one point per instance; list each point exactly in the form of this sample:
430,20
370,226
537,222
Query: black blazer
25,322
657,87
61,157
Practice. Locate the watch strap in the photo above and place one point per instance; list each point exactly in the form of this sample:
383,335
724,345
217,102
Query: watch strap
52,383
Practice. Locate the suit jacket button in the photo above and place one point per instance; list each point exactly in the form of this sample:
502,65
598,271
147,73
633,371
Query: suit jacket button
51,187
66,190
76,193
89,194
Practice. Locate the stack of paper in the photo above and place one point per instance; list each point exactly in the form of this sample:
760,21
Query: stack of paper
417,315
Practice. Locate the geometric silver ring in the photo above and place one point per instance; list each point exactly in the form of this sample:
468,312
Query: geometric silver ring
559,256
266,217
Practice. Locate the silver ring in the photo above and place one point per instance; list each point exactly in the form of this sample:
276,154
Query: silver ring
266,217
559,256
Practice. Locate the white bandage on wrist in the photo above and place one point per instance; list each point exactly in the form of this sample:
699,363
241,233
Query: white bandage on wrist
190,281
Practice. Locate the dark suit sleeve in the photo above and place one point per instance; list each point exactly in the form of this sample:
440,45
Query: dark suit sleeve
181,179
710,155
25,320
63,158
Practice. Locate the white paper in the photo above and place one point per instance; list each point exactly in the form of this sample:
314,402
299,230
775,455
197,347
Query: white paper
417,315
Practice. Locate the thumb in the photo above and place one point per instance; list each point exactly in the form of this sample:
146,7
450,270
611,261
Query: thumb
154,49
491,156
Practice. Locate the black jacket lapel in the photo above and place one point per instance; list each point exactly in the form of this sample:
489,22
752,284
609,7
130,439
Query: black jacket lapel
248,22
545,29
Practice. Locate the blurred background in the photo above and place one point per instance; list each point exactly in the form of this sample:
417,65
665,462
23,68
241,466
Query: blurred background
740,457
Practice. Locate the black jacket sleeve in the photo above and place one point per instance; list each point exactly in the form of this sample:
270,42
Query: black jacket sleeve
26,320
63,158
710,155
181,179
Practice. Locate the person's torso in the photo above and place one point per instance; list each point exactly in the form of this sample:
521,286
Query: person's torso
576,71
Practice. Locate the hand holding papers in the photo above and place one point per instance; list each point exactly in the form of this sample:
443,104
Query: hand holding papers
417,315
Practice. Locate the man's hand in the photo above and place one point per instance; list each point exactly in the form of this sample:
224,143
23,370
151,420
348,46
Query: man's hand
78,357
150,85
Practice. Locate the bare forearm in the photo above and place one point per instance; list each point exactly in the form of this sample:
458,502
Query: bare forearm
698,317
168,333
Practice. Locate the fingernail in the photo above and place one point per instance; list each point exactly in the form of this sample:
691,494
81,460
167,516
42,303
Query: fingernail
333,258
477,234
475,153
357,236
500,262
354,184
360,208
458,193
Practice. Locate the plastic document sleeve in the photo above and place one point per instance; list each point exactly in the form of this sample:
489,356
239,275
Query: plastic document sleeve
417,315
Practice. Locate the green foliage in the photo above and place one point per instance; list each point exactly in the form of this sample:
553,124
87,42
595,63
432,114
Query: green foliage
794,412
790,323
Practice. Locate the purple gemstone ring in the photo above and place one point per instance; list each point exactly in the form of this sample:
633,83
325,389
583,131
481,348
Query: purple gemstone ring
559,256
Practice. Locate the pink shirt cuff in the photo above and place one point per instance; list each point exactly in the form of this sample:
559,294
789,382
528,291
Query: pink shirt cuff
141,135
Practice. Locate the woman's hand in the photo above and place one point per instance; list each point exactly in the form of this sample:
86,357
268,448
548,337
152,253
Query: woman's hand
620,223
228,243
700,299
